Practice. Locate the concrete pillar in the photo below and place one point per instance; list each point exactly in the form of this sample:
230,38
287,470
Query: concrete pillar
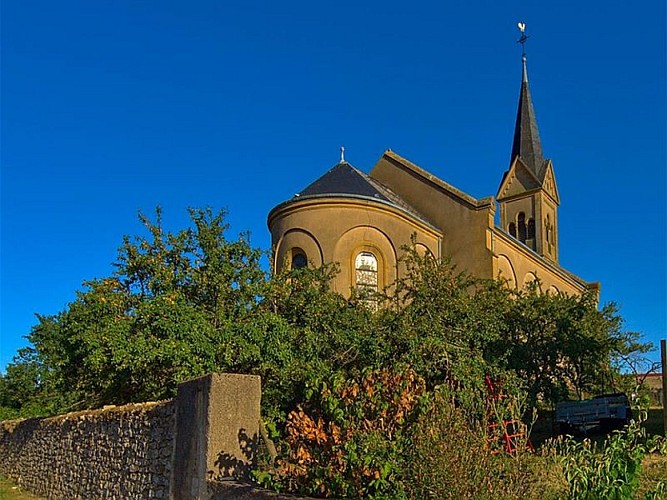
217,431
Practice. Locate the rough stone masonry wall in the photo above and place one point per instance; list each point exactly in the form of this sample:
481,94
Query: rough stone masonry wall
116,452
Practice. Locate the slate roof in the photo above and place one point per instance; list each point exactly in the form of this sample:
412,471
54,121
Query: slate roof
527,144
345,180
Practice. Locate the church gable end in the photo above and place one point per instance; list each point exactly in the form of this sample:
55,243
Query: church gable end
518,180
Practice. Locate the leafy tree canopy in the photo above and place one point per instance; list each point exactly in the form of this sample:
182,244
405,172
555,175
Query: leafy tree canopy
182,304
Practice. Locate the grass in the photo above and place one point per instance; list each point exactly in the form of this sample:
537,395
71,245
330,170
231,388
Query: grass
654,469
9,491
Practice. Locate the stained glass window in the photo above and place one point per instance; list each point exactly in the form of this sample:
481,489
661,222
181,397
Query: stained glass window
366,266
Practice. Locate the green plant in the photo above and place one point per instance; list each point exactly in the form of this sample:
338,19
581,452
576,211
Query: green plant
613,469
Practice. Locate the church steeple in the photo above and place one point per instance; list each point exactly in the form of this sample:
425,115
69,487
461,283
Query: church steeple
528,196
526,142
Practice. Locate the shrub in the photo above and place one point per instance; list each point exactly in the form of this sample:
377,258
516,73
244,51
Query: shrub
450,457
383,435
350,437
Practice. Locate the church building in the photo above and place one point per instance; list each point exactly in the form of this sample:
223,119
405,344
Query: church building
361,221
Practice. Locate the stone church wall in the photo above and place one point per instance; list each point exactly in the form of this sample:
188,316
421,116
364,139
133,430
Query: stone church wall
116,452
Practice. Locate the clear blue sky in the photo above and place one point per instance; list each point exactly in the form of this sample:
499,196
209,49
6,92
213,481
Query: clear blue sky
111,107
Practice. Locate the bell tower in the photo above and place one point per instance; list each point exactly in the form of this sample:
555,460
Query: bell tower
528,196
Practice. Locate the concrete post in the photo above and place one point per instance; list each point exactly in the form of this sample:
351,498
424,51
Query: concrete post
217,431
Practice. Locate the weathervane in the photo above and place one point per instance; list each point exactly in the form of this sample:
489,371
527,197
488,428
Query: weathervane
524,37
342,154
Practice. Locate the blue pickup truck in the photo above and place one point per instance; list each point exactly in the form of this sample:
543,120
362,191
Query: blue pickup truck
602,413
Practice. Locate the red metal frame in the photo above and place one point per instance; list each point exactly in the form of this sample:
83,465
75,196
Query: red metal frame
507,431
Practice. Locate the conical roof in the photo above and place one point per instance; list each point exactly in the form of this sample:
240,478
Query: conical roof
343,179
527,144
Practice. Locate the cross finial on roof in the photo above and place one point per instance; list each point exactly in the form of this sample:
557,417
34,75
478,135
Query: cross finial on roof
342,154
522,41
523,38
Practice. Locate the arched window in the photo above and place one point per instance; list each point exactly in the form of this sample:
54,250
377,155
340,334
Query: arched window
299,259
521,222
531,229
366,273
512,229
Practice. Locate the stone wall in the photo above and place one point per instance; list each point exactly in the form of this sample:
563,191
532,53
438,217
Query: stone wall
116,452
169,449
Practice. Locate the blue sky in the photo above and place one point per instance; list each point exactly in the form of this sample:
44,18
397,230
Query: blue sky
111,107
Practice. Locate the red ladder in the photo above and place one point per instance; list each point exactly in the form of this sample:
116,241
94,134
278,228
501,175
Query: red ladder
505,433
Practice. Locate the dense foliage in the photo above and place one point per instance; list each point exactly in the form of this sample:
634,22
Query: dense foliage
384,434
182,304
349,437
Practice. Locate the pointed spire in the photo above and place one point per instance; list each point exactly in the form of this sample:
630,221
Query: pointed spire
527,143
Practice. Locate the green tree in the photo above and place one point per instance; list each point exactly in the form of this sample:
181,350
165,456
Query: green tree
164,315
25,390
447,324
181,304
558,343
442,320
